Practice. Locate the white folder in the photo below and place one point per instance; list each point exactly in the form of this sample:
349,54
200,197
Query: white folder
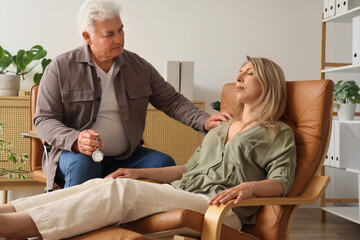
336,144
327,157
187,79
355,40
331,6
173,74
338,8
326,9
332,147
344,6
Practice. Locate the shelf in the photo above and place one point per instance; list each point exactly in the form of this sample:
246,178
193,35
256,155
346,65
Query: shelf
345,69
349,213
345,17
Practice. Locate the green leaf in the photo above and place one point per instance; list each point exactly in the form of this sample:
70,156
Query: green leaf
37,78
21,59
41,54
10,175
2,53
36,48
10,157
19,168
21,176
216,105
1,127
7,60
44,63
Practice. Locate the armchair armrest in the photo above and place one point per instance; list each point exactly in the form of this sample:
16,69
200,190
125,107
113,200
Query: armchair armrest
31,134
215,214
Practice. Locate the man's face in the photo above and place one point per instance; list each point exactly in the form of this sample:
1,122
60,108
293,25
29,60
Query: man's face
108,40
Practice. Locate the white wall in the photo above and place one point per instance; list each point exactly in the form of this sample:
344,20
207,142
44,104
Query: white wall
216,35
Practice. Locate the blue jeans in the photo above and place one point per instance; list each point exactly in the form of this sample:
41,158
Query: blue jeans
77,168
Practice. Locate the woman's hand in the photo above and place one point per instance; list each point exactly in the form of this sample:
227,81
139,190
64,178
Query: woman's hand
125,173
239,192
263,188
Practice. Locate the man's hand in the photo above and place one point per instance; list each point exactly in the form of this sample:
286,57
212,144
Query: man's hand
216,119
86,142
125,173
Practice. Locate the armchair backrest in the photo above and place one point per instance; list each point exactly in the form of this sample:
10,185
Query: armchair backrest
309,113
36,146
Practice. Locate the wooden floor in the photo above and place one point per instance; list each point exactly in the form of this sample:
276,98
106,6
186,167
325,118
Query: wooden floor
307,225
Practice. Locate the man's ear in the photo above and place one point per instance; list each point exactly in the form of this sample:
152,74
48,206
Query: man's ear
86,36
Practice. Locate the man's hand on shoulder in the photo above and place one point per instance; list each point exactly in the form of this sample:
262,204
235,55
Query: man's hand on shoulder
216,119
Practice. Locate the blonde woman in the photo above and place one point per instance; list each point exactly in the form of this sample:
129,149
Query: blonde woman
252,155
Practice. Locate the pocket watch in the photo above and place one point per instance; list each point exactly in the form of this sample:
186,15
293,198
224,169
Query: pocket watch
97,155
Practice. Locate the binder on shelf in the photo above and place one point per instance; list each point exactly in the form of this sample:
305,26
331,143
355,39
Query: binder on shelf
332,147
187,79
355,40
344,6
336,144
326,9
173,74
331,8
338,8
327,161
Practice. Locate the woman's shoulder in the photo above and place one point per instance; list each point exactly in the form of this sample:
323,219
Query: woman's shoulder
285,132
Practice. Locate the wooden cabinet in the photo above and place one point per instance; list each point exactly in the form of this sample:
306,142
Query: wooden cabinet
15,114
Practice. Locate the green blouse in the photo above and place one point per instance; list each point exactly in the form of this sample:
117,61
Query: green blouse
248,156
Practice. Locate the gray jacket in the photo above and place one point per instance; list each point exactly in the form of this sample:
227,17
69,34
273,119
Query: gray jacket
70,94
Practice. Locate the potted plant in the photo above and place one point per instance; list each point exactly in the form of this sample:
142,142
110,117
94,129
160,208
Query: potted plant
23,63
11,157
346,96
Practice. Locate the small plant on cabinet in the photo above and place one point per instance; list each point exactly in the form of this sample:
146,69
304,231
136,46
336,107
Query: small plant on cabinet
11,157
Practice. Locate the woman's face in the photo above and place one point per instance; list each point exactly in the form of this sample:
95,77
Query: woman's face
248,87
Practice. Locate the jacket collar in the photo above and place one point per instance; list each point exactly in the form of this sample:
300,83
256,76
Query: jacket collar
84,56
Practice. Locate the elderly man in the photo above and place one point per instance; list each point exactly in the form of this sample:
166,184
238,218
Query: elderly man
92,103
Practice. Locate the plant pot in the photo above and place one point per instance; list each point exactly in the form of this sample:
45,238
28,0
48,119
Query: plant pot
346,111
9,85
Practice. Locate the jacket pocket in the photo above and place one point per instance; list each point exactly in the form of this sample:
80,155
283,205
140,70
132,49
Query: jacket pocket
77,95
138,102
78,106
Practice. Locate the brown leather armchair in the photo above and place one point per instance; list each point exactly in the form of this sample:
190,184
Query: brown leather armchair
309,113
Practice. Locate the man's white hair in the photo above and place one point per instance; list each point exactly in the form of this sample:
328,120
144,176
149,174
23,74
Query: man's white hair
98,10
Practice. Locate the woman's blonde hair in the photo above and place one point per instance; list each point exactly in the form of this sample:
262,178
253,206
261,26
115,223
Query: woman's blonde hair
270,106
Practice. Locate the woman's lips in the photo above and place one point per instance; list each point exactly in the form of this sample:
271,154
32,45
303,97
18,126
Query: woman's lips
239,88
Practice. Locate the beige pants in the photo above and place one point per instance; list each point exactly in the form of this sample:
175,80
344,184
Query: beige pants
102,202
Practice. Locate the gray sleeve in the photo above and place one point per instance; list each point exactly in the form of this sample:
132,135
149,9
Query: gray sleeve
49,112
